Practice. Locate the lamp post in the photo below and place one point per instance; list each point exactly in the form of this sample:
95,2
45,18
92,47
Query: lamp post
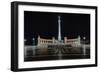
84,47
25,48
33,41
33,46
25,41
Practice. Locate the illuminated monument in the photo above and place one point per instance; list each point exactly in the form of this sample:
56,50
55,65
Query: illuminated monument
45,42
58,47
59,30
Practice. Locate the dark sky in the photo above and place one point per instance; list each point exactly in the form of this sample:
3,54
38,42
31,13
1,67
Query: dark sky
45,24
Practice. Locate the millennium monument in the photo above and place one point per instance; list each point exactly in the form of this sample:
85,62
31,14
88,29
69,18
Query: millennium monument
45,42
51,49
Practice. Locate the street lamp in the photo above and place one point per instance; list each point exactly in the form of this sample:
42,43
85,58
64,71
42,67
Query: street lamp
34,46
25,49
84,47
33,41
84,38
25,41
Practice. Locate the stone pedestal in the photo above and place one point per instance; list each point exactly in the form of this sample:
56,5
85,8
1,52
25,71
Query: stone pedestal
65,40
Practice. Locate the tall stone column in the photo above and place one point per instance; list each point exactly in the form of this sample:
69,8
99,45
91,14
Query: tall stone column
59,28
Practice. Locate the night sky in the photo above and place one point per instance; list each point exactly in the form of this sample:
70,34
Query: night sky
45,24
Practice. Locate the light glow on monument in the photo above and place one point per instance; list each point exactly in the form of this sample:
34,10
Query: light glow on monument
59,28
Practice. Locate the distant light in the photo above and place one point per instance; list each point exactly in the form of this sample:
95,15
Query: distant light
33,39
84,38
25,40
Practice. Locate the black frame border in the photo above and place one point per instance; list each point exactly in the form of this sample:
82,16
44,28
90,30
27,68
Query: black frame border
14,35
